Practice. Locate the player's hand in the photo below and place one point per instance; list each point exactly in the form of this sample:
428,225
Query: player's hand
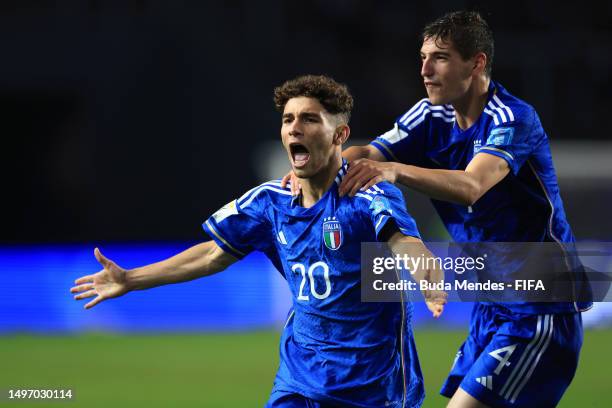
435,300
364,173
295,183
109,283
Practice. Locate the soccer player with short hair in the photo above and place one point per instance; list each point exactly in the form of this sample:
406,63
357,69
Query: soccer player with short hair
334,350
483,157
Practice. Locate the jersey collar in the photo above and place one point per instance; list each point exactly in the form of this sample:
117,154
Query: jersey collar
341,172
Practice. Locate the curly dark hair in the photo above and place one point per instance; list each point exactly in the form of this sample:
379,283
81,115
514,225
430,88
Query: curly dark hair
468,32
334,97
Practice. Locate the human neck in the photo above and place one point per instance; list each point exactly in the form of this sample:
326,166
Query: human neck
469,108
313,188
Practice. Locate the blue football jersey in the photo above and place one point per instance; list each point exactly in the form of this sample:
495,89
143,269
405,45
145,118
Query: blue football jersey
524,207
334,348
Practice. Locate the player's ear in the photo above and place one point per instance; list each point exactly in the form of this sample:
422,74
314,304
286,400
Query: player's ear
480,63
341,134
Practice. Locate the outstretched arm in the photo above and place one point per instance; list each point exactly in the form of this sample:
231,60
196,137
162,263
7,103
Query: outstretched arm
113,281
458,186
363,152
415,248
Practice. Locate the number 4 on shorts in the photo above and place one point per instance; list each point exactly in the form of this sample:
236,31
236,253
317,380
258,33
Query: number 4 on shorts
502,355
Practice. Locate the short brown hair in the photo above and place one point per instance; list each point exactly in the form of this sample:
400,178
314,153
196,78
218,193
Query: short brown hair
334,97
467,31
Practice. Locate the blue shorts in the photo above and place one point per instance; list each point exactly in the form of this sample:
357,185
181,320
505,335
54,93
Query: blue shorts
280,399
516,360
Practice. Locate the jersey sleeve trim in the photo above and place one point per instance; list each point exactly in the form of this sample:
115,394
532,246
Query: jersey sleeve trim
499,153
222,242
384,219
379,143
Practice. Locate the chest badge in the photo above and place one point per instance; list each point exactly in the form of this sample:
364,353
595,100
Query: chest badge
477,145
332,233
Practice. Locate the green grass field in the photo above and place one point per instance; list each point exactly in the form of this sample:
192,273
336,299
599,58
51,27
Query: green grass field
219,370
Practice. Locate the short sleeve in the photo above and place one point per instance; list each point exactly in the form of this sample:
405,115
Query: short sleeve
512,141
405,142
240,229
388,206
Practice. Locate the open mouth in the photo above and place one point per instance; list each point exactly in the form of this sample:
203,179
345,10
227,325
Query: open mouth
299,154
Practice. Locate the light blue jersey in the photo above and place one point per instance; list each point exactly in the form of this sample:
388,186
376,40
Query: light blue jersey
524,207
334,349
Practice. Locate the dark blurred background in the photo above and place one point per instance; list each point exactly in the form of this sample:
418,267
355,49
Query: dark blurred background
134,120
131,121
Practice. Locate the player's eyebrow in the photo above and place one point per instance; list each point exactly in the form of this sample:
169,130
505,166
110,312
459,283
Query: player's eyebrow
437,54
309,115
